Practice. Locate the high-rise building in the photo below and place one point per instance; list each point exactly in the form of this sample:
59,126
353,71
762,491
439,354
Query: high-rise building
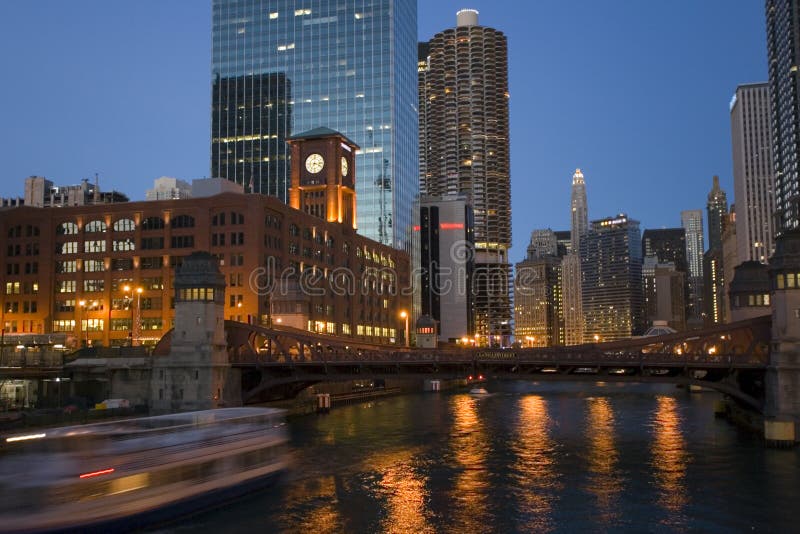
611,261
579,209
730,259
692,222
717,212
713,271
668,245
538,316
783,54
464,149
663,293
753,178
446,261
571,275
279,69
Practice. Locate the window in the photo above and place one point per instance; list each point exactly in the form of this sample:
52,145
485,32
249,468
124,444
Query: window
152,243
151,262
93,266
235,300
183,221
65,305
153,223
217,240
92,325
237,260
151,323
67,228
218,220
237,238
124,225
123,245
121,264
120,324
93,286
95,227
94,246
64,325
154,283
70,247
294,230
237,218
182,241
29,306
63,286
32,268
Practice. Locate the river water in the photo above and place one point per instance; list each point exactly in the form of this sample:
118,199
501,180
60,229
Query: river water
529,457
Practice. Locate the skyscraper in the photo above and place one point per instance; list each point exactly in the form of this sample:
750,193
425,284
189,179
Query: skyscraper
692,222
580,210
753,178
464,148
611,261
713,270
538,318
717,212
783,54
668,245
571,274
279,69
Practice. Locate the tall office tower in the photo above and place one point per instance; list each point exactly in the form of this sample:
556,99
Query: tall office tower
571,265
783,55
464,149
580,210
668,245
538,316
611,260
717,212
713,272
564,242
663,293
446,264
753,178
730,259
692,222
279,68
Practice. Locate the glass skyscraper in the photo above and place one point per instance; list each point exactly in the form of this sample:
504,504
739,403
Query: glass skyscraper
282,67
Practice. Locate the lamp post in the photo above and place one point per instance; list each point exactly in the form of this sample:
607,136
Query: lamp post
404,315
134,311
82,309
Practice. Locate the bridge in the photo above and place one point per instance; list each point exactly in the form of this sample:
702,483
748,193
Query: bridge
280,362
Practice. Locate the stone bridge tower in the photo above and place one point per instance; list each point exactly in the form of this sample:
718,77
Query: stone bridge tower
197,374
783,374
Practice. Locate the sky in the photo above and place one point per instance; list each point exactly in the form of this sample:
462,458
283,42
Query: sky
636,93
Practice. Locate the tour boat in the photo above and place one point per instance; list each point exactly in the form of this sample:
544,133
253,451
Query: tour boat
125,475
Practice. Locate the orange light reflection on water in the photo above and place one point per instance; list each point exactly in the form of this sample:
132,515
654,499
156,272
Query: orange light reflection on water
669,455
605,482
535,454
469,444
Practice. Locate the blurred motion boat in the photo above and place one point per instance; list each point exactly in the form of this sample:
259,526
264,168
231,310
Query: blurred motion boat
125,475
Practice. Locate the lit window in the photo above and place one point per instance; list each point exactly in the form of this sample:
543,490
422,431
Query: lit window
273,16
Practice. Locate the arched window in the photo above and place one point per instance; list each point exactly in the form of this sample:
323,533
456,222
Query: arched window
67,228
96,226
124,225
153,223
183,221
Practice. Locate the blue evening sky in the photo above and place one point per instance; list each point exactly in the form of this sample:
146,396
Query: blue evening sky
633,92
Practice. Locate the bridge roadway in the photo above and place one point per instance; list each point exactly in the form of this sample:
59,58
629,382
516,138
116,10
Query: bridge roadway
731,358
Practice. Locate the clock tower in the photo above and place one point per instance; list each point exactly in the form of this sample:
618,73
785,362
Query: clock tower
323,175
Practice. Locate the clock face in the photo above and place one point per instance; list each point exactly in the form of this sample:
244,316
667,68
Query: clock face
344,166
314,163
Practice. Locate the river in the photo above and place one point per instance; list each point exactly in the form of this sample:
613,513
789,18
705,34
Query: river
528,457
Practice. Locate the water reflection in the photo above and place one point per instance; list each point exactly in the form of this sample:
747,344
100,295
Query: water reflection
313,504
469,444
403,490
669,456
604,480
537,480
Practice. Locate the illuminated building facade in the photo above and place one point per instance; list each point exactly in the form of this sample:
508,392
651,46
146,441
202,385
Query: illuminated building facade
538,315
571,268
464,149
279,68
611,260
446,261
783,55
692,223
753,178
713,269
103,274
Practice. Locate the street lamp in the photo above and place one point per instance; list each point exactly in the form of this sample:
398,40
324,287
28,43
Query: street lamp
134,311
82,308
404,315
